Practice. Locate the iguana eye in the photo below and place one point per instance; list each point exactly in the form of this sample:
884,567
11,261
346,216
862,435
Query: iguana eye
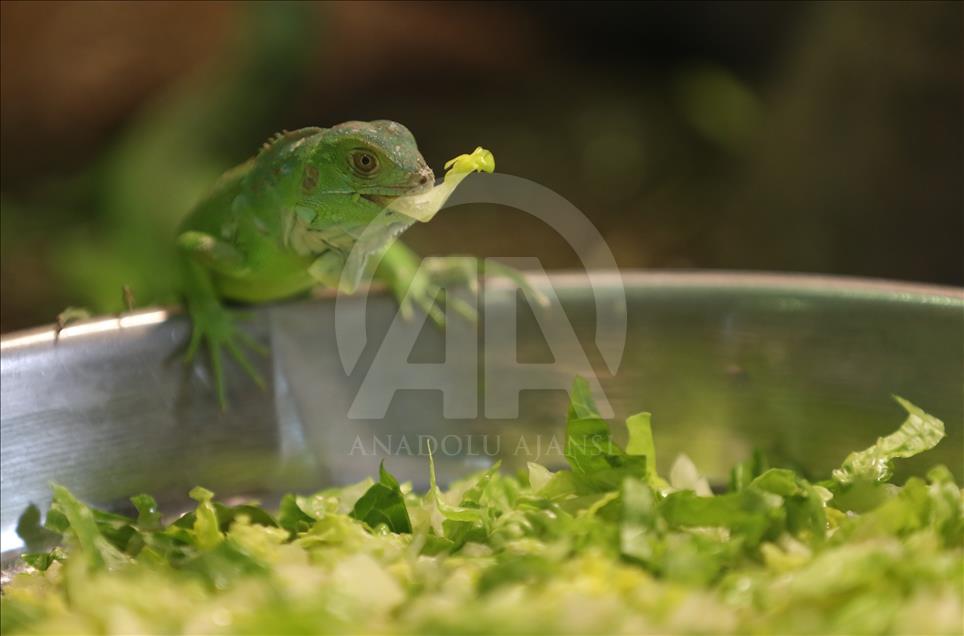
364,162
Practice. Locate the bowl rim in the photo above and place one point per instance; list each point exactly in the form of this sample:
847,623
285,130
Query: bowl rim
719,279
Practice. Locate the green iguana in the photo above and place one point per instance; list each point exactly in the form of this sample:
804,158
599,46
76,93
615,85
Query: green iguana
311,209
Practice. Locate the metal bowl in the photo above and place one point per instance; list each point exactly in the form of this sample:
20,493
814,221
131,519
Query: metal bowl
801,367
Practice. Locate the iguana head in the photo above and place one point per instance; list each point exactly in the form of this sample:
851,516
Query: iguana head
359,185
369,164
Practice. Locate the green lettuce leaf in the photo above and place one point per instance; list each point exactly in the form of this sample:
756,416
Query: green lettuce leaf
148,516
207,528
918,433
468,519
590,450
450,512
640,443
35,536
82,525
638,529
751,513
804,502
383,503
291,517
746,471
43,560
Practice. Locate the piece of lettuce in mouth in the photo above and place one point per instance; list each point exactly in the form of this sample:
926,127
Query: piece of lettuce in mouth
608,546
424,206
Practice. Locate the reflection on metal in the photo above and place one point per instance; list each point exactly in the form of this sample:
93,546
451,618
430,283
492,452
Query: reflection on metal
127,321
800,366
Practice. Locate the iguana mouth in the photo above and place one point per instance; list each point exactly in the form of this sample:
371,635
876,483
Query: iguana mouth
384,200
381,200
417,183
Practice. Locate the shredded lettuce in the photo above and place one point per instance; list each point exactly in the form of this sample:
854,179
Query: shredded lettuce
605,547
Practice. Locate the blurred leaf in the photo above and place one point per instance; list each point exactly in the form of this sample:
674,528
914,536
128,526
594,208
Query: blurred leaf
743,473
750,513
148,516
34,535
82,525
291,517
207,532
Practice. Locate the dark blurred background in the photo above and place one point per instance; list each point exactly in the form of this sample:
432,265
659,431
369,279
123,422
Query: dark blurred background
819,137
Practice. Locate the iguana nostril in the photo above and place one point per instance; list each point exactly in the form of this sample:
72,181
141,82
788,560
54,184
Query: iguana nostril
423,180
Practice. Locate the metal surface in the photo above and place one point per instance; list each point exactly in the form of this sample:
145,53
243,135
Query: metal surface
799,366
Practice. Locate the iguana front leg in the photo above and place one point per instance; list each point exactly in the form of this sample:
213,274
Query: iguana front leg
326,270
419,282
398,267
212,323
212,253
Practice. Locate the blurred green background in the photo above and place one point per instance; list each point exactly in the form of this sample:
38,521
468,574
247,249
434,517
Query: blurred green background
821,137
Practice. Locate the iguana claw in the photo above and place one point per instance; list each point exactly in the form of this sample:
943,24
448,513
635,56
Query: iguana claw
217,329
439,272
